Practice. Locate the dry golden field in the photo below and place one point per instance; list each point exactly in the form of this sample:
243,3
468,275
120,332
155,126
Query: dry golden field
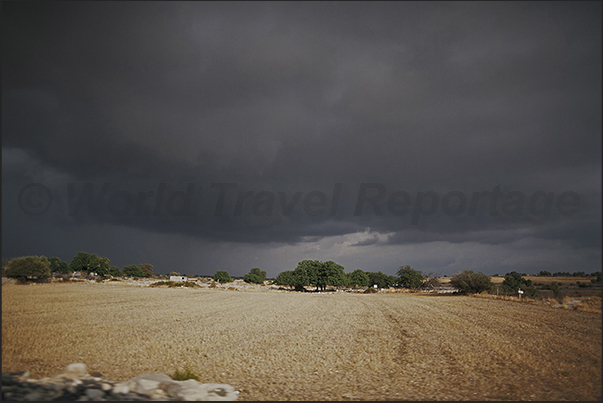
307,346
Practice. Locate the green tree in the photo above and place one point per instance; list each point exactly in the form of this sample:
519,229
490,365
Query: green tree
133,271
469,282
359,278
514,281
174,273
255,276
380,279
285,278
99,265
302,274
147,269
115,271
222,276
80,262
409,277
84,262
28,268
58,266
330,273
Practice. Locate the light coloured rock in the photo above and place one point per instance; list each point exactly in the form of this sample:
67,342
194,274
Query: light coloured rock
77,370
147,384
191,390
121,388
94,394
216,391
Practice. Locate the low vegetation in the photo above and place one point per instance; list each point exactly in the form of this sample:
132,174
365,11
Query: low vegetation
184,374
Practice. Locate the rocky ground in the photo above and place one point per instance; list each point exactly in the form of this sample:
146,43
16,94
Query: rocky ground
76,384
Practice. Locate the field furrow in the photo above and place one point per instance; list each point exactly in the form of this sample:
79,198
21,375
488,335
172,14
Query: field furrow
308,346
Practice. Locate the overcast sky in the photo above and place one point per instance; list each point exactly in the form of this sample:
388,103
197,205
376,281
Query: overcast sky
315,108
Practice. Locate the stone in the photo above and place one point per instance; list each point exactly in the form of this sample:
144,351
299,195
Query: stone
94,394
147,384
77,370
220,392
121,388
77,384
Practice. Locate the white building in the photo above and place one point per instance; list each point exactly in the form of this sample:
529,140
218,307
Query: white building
178,278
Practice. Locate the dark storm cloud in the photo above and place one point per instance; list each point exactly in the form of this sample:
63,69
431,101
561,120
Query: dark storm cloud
296,97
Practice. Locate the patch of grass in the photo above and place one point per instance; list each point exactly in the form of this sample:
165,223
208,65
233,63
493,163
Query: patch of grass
186,373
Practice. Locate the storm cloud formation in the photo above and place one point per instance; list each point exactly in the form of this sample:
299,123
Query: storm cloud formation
288,98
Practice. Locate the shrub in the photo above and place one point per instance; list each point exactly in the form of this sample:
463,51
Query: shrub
557,292
370,290
222,276
469,282
186,373
28,268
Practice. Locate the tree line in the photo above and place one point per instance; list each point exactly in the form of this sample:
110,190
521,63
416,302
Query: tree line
37,268
308,273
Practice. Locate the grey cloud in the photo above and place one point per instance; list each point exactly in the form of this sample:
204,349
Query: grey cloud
300,96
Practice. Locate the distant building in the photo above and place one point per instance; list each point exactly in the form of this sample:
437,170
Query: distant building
178,278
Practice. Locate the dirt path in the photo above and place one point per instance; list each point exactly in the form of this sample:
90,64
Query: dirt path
292,346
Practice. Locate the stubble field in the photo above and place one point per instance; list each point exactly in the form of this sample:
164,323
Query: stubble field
308,346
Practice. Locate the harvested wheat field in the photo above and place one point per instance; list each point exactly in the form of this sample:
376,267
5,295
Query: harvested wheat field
308,346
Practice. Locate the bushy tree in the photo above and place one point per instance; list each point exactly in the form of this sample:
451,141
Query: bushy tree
79,262
28,268
115,271
255,276
359,278
514,281
133,271
330,273
285,278
544,273
147,269
222,276
58,266
430,281
409,277
305,274
84,262
318,274
382,280
469,282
